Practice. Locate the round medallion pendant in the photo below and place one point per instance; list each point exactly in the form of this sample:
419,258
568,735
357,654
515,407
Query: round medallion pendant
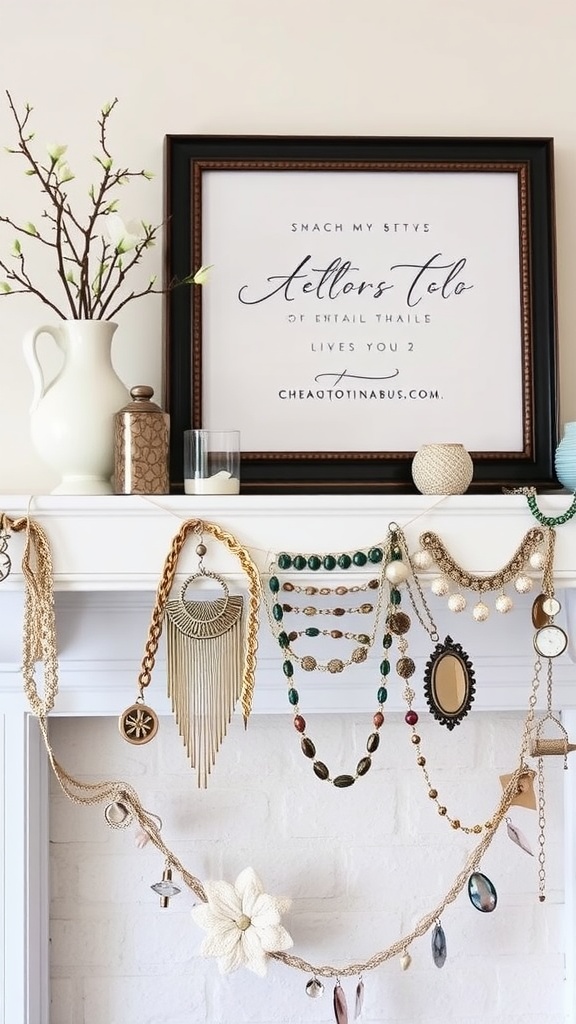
138,724
399,623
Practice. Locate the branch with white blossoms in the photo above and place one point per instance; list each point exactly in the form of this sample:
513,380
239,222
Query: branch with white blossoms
243,923
93,255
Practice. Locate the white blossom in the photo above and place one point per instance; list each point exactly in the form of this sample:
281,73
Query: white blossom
122,236
55,151
243,923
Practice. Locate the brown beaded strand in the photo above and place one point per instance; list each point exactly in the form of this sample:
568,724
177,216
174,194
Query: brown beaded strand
411,717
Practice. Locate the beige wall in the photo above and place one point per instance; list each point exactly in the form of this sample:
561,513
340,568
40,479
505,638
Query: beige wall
455,67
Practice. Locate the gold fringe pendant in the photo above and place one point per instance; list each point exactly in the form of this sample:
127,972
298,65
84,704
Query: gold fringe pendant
205,663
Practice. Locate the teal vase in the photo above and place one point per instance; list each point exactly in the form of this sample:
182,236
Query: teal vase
565,458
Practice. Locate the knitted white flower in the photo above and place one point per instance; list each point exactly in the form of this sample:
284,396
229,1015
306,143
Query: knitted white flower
243,923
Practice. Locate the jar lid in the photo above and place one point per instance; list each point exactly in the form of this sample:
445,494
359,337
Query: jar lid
141,395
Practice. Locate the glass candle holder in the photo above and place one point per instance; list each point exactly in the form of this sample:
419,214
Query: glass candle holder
211,461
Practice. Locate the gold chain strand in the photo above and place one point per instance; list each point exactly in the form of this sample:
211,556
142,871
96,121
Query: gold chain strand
481,584
89,794
541,832
39,632
311,590
548,573
199,526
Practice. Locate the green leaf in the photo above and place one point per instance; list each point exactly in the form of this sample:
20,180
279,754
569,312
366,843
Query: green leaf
5,287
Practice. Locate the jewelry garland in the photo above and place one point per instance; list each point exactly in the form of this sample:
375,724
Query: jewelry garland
123,803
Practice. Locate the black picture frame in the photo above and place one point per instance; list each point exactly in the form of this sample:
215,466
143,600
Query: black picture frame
189,157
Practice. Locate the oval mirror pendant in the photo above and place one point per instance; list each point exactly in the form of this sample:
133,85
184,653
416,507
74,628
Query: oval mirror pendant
482,893
449,683
439,949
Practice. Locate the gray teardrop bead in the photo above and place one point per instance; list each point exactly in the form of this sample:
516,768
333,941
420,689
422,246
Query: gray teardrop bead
439,949
482,892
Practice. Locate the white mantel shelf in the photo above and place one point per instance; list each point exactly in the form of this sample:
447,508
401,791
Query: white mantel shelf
120,542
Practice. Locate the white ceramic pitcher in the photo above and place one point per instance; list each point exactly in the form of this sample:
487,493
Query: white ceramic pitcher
72,416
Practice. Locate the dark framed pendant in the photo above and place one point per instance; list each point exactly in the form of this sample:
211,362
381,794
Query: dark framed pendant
449,683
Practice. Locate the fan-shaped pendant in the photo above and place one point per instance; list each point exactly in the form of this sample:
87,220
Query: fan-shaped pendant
204,665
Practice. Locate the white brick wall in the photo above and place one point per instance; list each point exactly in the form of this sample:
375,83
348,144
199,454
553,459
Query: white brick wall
361,865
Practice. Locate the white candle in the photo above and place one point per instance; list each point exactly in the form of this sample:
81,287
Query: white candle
220,483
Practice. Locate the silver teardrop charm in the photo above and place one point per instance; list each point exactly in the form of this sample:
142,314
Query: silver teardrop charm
518,837
482,892
314,988
359,999
439,949
340,1005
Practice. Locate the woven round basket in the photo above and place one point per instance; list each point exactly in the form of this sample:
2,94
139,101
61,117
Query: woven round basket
442,469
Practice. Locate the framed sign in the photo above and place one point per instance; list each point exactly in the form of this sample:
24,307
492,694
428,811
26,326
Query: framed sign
367,296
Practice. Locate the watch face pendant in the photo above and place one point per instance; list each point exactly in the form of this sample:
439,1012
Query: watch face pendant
550,641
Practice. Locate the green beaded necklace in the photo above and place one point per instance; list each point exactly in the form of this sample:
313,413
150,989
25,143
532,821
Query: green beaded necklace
551,521
329,562
344,560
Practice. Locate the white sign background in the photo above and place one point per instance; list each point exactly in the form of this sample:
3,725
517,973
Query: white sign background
401,327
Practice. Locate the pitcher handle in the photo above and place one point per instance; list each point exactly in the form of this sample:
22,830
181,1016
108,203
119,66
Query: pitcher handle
34,365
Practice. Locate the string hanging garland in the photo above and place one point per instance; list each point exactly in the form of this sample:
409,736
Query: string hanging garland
39,644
